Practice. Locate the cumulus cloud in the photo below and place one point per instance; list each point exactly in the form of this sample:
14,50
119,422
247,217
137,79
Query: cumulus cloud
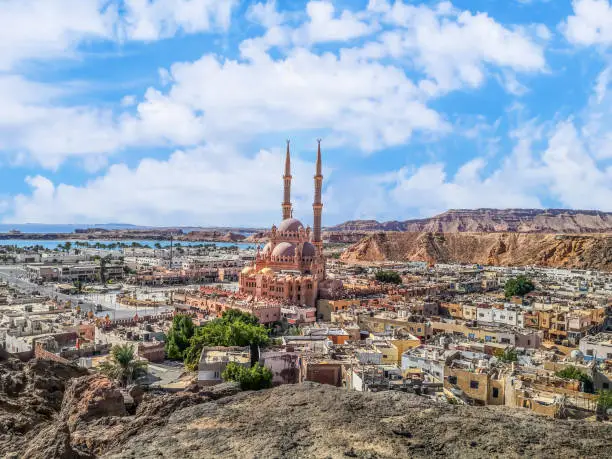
454,47
591,23
211,185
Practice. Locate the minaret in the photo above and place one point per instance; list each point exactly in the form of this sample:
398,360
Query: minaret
317,205
287,181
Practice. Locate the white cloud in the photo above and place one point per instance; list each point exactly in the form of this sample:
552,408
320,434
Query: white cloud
591,23
454,47
323,26
212,185
149,20
363,102
44,29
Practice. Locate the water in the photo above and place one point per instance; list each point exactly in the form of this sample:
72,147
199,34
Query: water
42,228
53,244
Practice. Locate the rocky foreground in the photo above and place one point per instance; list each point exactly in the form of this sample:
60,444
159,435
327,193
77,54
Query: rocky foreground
50,410
586,251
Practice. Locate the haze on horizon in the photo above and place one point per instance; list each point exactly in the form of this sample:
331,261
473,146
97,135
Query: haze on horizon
175,112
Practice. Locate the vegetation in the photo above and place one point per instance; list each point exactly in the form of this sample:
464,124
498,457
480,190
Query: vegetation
255,378
388,277
571,372
123,365
519,286
604,400
506,355
103,262
179,336
234,328
78,285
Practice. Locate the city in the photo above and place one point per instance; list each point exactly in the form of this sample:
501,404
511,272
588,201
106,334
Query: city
304,229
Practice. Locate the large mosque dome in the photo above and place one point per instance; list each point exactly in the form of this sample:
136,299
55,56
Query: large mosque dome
290,224
284,249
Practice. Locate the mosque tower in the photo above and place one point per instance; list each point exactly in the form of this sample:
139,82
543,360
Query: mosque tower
317,206
287,181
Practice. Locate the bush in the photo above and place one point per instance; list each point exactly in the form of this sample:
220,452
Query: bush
604,400
388,277
255,378
519,286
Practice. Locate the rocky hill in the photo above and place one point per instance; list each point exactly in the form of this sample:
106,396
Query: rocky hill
50,410
494,220
593,251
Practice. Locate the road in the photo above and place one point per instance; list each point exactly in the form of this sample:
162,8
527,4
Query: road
17,276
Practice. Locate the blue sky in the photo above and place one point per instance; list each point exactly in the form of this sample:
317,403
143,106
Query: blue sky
175,112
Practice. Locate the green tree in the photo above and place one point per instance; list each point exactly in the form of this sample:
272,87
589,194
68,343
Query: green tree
506,355
519,286
123,365
179,336
571,372
255,378
78,284
157,245
234,328
388,277
104,261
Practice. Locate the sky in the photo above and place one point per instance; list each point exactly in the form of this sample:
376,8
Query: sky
177,112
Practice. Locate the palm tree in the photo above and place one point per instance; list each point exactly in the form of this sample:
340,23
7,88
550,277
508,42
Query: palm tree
122,365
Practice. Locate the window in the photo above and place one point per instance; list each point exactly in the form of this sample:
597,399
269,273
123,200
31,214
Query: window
590,352
495,392
609,357
473,384
452,380
605,385
528,342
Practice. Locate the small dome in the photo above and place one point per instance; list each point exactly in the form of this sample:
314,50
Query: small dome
290,224
266,271
284,249
308,250
267,248
576,355
247,270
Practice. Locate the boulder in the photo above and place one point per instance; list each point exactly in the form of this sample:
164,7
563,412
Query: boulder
91,397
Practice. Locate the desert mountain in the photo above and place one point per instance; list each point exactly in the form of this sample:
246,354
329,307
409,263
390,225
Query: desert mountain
494,220
591,251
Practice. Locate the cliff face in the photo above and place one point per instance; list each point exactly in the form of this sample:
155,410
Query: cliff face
502,249
494,220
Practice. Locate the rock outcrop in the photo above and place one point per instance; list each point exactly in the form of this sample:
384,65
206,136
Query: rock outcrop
305,421
593,251
312,421
493,220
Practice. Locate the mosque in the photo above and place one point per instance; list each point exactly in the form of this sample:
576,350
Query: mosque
291,266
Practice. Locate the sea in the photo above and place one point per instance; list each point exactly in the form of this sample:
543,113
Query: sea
39,228
53,244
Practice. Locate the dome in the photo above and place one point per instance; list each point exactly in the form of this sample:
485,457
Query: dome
290,224
308,250
247,270
266,271
284,249
576,355
267,248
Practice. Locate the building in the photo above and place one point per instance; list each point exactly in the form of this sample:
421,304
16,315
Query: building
213,361
291,266
598,347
